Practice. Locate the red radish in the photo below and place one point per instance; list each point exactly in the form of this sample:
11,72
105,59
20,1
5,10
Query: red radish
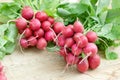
24,43
90,48
61,41
77,36
94,61
28,32
39,33
21,31
75,50
92,36
32,41
51,19
58,27
27,12
69,42
83,42
71,59
2,76
41,15
49,35
67,32
78,27
46,25
83,66
41,44
62,52
21,23
70,26
34,24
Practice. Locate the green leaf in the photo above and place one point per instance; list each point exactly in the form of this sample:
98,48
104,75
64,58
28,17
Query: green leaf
113,14
102,6
2,42
53,49
9,47
110,55
103,16
2,54
11,32
3,28
115,4
62,12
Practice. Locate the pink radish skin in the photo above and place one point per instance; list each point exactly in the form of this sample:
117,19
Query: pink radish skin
62,52
69,42
41,44
67,32
34,24
21,31
2,76
32,41
27,33
92,36
70,26
61,41
58,27
46,25
75,50
24,43
39,33
83,42
83,66
27,12
77,36
70,59
41,16
78,27
90,48
49,35
51,19
94,61
21,23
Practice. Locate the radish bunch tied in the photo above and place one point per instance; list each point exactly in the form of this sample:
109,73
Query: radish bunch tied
79,48
37,29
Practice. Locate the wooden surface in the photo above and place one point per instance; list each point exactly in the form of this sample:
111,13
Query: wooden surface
42,65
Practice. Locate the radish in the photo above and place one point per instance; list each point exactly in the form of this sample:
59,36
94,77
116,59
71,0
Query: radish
92,36
51,19
24,43
70,26
27,33
46,25
41,16
2,76
41,44
49,35
62,52
27,12
34,24
94,61
61,41
83,66
21,23
75,50
90,48
21,31
82,42
67,32
39,33
32,41
58,27
71,59
69,42
77,36
78,27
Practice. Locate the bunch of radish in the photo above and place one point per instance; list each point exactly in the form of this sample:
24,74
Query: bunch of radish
74,44
37,29
2,75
